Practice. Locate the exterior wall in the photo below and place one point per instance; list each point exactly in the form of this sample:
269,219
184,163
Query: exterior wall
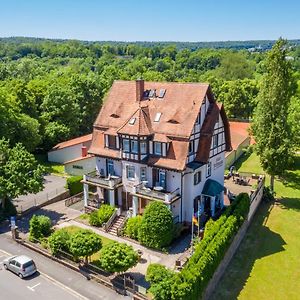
101,166
234,155
81,167
65,154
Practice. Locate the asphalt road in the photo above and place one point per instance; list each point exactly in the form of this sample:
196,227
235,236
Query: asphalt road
53,281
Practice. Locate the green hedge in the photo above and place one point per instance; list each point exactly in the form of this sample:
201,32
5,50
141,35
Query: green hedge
194,277
132,227
74,185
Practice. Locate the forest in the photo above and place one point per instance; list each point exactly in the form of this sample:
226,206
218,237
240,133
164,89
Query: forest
52,90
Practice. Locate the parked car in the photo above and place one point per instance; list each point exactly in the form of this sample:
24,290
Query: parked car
22,265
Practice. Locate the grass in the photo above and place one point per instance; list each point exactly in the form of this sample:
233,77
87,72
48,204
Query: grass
95,257
50,167
267,264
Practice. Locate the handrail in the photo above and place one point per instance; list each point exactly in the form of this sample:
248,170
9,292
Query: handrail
122,225
111,219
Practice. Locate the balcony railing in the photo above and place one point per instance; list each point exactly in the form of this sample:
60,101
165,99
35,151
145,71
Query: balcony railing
109,182
155,194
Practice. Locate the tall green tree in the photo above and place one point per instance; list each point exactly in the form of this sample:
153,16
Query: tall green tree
20,173
271,128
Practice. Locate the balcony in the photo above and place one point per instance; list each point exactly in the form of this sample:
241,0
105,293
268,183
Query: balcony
156,193
109,182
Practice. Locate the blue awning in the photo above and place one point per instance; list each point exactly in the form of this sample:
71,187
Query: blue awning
212,188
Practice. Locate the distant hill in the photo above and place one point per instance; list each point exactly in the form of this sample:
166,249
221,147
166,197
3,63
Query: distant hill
255,45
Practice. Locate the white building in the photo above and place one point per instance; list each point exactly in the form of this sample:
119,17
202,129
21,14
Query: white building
71,149
159,141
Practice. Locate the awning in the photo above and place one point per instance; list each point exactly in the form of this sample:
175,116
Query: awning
212,188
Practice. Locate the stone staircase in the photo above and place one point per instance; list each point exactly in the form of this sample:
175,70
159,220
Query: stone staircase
118,223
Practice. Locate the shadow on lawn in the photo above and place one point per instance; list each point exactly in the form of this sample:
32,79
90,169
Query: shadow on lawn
289,203
259,242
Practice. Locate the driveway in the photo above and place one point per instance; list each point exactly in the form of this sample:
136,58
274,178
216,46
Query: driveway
53,185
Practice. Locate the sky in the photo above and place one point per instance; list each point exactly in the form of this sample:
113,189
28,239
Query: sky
152,20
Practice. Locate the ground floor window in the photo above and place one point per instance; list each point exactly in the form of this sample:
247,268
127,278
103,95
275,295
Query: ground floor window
130,172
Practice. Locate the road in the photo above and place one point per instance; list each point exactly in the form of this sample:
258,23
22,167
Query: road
53,281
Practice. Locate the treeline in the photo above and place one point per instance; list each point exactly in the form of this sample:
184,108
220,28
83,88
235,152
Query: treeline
51,91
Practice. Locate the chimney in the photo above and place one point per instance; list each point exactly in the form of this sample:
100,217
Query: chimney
83,151
139,87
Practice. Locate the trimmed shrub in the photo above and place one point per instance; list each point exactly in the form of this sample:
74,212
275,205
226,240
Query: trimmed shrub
84,243
39,227
118,257
104,213
59,240
156,228
132,227
156,273
94,219
101,216
74,185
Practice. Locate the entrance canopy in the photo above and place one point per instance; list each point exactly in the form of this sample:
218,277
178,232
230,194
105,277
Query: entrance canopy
212,188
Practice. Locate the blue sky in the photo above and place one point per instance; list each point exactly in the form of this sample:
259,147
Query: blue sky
154,20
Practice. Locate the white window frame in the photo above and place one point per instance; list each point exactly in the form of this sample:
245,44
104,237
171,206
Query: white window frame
143,147
130,172
143,173
127,142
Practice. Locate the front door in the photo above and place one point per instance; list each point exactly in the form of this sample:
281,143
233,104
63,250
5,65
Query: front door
207,207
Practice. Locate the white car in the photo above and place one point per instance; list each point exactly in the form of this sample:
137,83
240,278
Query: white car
22,265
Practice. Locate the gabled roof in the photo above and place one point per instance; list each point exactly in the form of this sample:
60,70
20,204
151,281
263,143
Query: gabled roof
171,118
141,123
79,140
181,101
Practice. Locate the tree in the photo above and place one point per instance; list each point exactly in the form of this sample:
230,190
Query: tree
59,241
118,257
294,119
39,226
84,243
270,128
20,173
156,229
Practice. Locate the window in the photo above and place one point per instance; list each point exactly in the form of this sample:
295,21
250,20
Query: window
215,141
112,141
130,172
134,146
110,167
191,147
157,117
208,169
126,145
198,119
162,93
162,178
143,174
77,167
197,178
152,93
157,148
143,147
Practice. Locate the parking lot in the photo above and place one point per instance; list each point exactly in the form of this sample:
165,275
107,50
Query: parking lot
38,286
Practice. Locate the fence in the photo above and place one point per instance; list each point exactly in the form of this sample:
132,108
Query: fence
74,199
32,202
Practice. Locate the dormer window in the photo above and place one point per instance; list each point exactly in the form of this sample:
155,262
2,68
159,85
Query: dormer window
152,93
157,117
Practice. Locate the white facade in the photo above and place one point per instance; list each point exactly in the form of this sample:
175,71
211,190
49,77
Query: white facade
81,166
181,189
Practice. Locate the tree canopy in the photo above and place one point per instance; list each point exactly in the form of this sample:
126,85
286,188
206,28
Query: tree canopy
271,128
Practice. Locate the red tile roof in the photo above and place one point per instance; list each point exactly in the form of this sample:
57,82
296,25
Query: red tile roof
78,159
82,139
239,133
178,108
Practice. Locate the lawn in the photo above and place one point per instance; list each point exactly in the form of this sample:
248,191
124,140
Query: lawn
267,264
50,167
95,257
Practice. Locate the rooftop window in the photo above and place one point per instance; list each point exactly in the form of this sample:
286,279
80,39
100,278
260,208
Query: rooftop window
152,93
157,117
132,121
161,93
